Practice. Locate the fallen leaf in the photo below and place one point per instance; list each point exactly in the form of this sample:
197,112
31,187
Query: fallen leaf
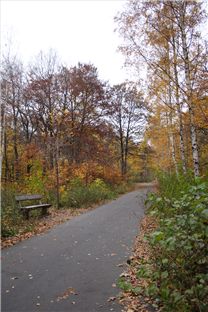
120,265
67,293
124,274
111,299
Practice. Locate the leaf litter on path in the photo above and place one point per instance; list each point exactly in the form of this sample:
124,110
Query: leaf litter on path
42,225
68,292
141,252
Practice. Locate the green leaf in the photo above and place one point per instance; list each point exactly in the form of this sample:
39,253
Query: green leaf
164,274
164,261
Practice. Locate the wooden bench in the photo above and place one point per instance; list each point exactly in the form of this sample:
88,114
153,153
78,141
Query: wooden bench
30,199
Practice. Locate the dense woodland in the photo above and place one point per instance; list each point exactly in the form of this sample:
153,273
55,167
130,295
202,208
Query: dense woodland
60,123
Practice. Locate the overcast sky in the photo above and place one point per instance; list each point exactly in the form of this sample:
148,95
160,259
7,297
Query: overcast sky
80,31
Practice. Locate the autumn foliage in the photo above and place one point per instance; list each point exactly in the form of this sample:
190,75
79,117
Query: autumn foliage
62,134
167,39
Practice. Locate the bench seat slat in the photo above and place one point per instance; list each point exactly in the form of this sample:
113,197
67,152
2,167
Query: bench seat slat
36,206
28,197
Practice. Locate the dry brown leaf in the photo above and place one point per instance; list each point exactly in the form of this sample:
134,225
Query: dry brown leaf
111,299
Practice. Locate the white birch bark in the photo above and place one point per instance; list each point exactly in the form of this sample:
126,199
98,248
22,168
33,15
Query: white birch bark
195,153
170,117
181,132
170,134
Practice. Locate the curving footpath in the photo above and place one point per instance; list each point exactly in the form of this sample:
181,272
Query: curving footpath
74,267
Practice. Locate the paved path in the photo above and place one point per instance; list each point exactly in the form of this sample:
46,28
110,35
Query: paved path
81,255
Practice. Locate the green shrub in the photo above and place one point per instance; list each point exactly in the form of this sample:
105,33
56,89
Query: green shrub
10,216
99,190
179,267
171,185
81,195
124,187
177,271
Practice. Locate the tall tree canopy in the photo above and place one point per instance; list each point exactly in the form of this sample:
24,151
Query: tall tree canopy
60,122
166,36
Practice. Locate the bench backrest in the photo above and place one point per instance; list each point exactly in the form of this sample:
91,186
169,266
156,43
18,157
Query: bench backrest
27,197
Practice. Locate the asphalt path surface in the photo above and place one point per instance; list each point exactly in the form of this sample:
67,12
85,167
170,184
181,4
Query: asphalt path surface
73,267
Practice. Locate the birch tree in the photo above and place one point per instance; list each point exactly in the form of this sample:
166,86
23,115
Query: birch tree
150,27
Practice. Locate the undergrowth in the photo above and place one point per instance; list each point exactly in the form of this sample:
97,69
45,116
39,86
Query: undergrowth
177,272
75,195
80,195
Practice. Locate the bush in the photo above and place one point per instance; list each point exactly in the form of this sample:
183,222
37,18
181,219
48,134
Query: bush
178,276
99,190
81,195
171,185
10,216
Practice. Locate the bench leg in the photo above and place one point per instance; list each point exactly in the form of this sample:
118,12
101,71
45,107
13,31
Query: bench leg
26,214
44,211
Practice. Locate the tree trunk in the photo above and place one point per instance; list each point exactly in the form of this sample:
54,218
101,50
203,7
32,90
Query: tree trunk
51,151
122,157
171,141
195,153
170,117
6,174
127,146
181,134
122,152
16,155
57,173
3,137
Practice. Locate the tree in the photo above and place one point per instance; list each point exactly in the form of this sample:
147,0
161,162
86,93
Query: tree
11,87
43,93
165,36
84,96
127,115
